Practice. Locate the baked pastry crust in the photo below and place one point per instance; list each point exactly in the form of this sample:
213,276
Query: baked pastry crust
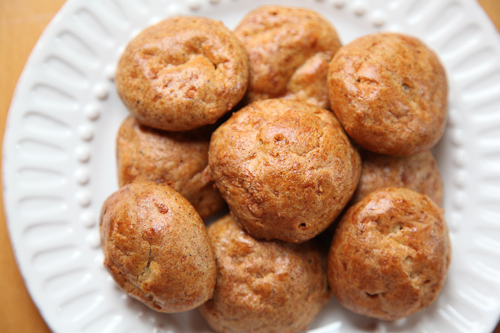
156,247
390,93
179,159
285,168
418,172
264,286
289,50
390,254
182,73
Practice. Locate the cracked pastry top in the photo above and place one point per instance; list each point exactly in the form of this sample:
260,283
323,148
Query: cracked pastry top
390,93
418,172
285,168
289,50
179,159
156,247
264,286
182,73
390,254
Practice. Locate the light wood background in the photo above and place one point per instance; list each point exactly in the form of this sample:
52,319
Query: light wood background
21,23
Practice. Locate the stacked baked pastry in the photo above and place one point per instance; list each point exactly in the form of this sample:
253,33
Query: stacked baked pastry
287,164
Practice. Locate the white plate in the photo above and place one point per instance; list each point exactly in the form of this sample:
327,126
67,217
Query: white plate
59,159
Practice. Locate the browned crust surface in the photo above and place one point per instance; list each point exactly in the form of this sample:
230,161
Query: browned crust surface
264,286
179,159
289,50
390,93
156,247
390,254
418,172
285,168
182,73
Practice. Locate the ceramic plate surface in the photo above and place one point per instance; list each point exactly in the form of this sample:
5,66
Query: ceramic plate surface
59,159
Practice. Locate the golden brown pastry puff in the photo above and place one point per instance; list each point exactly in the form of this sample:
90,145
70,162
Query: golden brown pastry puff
156,247
289,50
179,159
390,93
182,73
264,286
418,172
390,254
285,168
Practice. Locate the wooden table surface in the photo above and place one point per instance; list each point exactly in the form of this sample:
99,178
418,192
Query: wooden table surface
21,23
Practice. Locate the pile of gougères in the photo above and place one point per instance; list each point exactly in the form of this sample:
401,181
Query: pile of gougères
307,142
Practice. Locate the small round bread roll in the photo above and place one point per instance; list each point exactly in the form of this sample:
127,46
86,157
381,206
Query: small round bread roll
179,159
418,172
390,93
182,73
289,50
156,247
390,254
264,286
285,168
